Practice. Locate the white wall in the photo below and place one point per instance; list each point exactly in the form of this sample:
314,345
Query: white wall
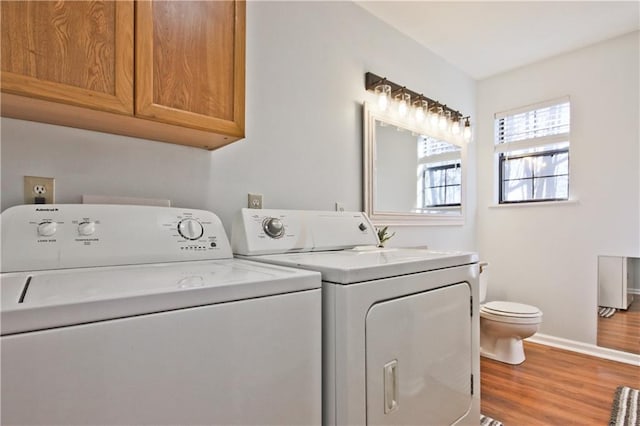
546,255
305,85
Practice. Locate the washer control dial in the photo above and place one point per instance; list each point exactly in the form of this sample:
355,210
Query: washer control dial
86,228
273,227
190,229
47,229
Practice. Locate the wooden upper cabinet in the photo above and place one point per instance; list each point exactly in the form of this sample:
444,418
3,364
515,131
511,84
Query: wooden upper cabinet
72,63
190,62
76,52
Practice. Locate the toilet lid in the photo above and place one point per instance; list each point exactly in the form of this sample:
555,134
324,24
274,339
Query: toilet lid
511,309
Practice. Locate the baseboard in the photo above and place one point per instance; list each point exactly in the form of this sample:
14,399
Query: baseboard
585,348
633,290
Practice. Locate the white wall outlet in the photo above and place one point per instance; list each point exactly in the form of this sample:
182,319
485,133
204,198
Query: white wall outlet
39,190
255,201
339,206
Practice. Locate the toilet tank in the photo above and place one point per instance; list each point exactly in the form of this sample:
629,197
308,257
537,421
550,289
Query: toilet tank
484,281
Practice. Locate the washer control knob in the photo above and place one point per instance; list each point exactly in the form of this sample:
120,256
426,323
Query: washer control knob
190,229
86,228
273,227
362,227
47,229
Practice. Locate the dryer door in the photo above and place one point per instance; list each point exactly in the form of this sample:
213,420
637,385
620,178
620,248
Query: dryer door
419,358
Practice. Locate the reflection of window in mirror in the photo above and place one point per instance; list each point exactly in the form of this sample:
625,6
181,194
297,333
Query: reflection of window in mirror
439,174
413,173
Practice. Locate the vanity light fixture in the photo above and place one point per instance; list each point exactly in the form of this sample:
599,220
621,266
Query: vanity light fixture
424,110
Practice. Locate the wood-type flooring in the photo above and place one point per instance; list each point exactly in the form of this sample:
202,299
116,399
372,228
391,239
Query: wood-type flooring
553,387
622,330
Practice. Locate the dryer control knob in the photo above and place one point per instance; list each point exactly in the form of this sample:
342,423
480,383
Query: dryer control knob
47,229
190,229
273,227
86,228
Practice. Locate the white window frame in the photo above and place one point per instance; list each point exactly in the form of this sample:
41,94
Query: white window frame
550,140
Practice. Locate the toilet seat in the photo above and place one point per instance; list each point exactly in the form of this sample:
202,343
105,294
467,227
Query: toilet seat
519,310
511,312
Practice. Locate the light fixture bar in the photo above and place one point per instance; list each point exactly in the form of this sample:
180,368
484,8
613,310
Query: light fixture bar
372,80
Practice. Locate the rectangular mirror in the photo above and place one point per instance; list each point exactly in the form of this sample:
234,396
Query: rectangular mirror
412,176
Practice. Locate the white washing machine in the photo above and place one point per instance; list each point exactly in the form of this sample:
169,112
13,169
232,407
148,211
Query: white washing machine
140,315
400,326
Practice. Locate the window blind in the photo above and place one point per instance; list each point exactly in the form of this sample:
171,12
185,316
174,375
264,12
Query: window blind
429,147
540,124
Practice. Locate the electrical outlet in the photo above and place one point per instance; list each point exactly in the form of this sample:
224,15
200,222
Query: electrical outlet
255,201
39,190
339,206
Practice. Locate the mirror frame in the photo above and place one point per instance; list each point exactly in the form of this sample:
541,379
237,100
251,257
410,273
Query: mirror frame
370,116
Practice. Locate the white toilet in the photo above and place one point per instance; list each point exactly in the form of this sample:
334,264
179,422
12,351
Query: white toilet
503,325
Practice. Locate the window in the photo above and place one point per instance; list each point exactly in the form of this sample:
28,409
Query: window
532,148
439,172
442,185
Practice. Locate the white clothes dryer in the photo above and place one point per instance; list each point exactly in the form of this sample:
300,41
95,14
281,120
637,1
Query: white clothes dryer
140,315
400,326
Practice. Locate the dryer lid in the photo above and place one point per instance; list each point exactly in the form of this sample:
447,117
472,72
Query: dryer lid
512,309
358,265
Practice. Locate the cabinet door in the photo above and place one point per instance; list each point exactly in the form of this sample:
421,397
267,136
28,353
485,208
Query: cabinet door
190,59
75,52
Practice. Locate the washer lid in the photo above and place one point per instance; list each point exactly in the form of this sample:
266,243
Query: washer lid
358,265
511,309
64,297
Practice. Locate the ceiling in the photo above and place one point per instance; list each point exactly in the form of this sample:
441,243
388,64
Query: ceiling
484,38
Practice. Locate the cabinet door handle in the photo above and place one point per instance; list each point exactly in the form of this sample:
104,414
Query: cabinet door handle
390,372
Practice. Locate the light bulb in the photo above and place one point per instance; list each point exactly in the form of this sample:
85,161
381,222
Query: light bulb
383,92
449,120
402,108
442,120
466,134
382,103
455,127
420,106
403,103
433,118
